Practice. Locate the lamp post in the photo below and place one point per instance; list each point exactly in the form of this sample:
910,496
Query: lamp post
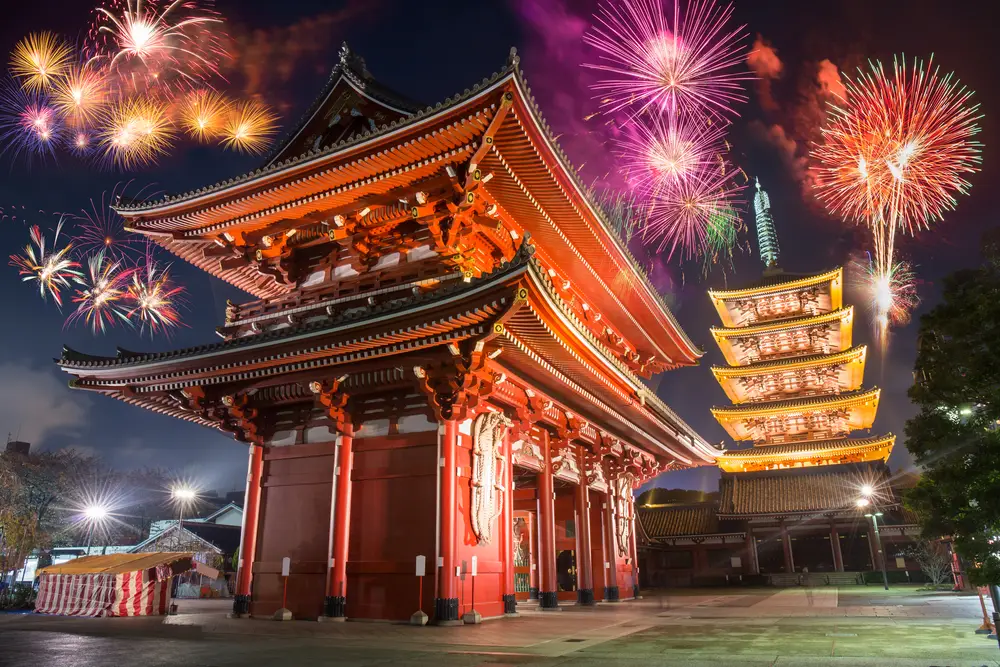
864,503
183,496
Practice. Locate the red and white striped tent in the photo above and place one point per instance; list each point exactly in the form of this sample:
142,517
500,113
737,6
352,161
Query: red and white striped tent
112,585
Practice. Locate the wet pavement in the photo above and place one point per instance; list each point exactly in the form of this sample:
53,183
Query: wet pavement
849,626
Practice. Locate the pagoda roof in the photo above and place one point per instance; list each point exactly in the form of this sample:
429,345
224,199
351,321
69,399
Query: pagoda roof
721,333
780,282
826,490
532,182
853,359
593,379
862,405
349,72
765,456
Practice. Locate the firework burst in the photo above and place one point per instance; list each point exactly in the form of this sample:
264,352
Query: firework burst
136,131
203,114
659,153
681,217
53,267
40,59
28,123
158,44
101,298
80,95
895,154
100,229
249,127
154,298
892,294
688,61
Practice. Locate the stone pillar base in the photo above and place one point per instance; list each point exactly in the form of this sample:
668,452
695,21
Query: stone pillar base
418,618
446,611
586,596
335,606
549,600
241,606
283,615
611,594
509,604
532,593
635,592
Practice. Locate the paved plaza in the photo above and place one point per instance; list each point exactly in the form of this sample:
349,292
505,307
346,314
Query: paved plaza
829,626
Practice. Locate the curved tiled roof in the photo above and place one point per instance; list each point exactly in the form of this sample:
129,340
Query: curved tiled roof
792,405
769,286
678,520
810,446
782,325
781,493
786,363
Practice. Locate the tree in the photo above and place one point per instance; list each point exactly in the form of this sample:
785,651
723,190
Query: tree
934,560
955,436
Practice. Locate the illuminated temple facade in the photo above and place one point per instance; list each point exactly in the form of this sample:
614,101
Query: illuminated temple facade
795,379
445,356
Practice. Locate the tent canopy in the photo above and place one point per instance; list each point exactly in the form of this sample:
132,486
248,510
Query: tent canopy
120,563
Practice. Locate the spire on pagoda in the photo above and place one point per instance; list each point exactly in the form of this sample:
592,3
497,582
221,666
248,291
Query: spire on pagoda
767,237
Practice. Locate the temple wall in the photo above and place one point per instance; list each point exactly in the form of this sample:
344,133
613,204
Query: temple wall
295,522
393,518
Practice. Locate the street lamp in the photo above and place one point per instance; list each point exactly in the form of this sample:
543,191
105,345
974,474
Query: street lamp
93,514
183,496
878,542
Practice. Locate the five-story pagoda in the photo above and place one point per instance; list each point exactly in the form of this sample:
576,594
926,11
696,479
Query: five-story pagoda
795,379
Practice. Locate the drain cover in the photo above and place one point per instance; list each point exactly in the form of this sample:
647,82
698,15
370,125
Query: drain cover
841,634
574,640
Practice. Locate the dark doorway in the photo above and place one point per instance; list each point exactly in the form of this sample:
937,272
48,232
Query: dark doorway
566,570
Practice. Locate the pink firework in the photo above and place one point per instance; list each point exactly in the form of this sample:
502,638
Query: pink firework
689,61
659,151
153,44
101,298
101,229
681,217
28,123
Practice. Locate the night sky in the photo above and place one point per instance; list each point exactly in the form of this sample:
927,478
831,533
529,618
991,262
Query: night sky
429,51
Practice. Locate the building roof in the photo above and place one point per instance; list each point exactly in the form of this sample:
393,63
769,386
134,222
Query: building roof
225,539
678,520
782,325
117,563
764,456
779,282
810,403
533,183
830,489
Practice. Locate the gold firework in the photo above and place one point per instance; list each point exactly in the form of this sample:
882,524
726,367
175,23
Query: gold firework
39,60
136,131
249,127
79,95
203,114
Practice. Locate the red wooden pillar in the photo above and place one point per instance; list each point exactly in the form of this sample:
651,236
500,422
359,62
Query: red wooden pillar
786,543
446,603
507,527
753,562
584,567
611,591
248,534
548,595
336,600
635,550
838,558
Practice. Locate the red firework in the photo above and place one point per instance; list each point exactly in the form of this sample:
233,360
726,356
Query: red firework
689,61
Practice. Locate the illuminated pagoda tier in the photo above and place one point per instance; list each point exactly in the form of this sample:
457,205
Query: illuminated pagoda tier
446,357
795,380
